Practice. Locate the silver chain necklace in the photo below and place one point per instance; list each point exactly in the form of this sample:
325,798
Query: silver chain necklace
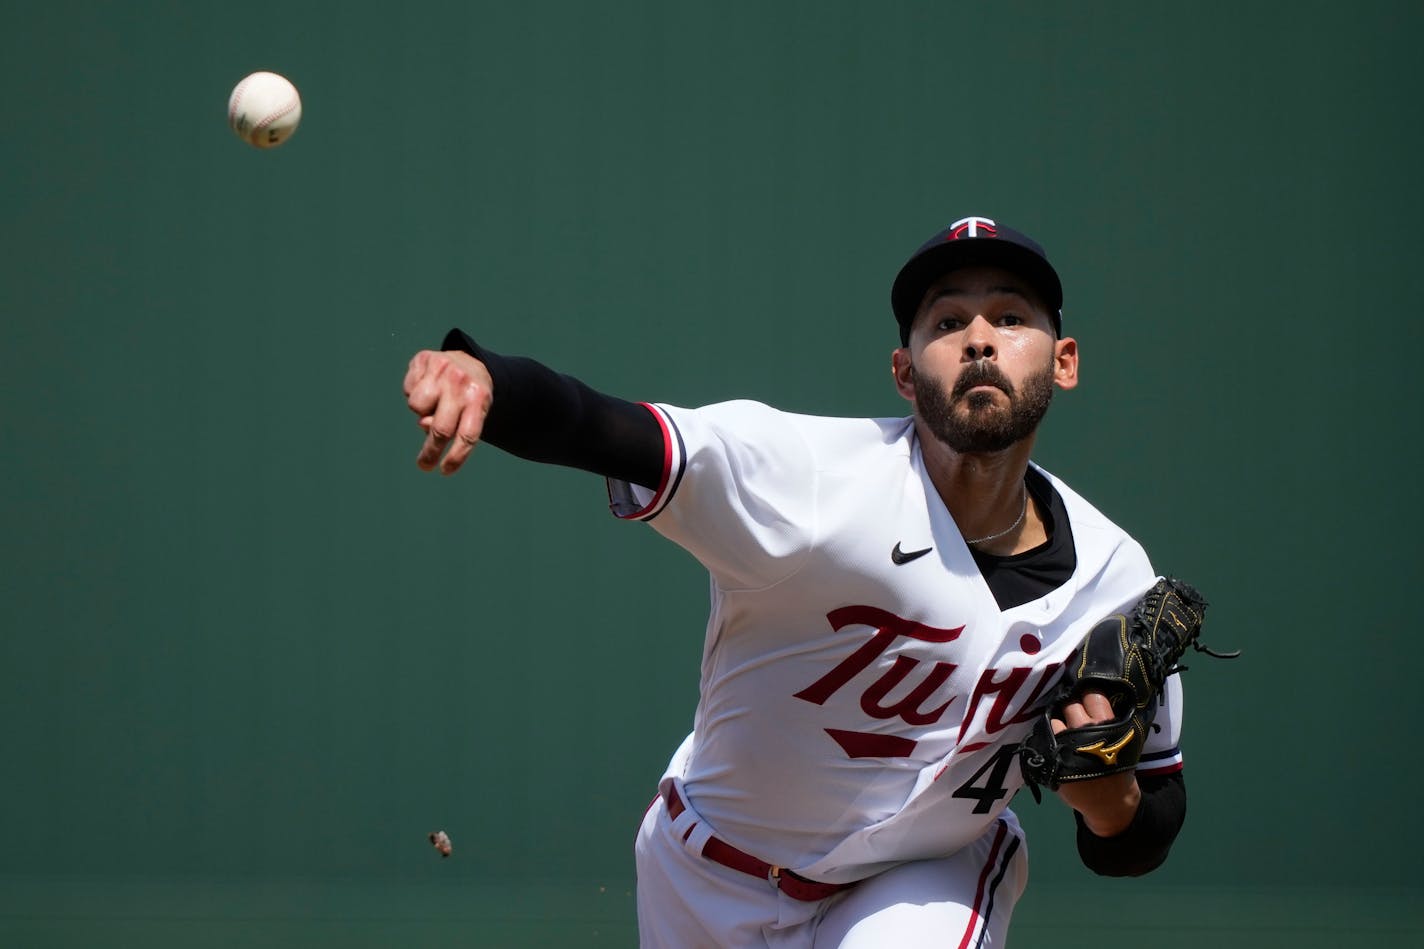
1022,511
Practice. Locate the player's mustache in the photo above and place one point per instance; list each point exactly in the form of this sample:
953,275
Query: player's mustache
981,372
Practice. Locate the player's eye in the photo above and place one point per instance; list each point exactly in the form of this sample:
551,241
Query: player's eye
1010,319
949,324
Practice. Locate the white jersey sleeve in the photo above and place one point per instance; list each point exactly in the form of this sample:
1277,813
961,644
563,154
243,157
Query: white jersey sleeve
1161,752
739,488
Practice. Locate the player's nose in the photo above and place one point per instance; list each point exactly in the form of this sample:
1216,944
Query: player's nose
978,339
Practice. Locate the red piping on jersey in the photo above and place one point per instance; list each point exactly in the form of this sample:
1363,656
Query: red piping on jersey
1172,768
1161,762
667,465
974,909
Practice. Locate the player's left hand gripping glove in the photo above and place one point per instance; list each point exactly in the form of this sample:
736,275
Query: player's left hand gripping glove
1127,658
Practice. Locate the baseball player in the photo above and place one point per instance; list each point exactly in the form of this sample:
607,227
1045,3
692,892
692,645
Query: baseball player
892,601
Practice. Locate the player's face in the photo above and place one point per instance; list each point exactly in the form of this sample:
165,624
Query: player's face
982,361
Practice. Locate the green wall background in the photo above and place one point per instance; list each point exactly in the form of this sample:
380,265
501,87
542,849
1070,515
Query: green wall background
252,656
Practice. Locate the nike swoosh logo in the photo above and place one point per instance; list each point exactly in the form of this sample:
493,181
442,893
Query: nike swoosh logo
900,556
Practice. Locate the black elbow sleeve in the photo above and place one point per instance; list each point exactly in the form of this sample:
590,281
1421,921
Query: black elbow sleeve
1144,845
548,417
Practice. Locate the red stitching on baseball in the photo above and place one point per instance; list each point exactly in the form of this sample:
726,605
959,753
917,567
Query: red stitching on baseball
237,95
274,117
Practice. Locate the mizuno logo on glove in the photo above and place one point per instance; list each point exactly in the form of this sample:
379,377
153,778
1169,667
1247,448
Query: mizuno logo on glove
1108,753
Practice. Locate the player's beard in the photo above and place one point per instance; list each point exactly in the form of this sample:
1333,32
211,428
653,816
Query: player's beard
971,423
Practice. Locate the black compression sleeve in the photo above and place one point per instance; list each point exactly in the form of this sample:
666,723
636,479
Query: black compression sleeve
548,417
1143,847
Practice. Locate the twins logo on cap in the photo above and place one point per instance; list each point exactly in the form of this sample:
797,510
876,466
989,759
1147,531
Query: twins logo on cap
972,227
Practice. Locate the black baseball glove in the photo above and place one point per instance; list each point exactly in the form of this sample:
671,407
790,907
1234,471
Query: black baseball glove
1127,658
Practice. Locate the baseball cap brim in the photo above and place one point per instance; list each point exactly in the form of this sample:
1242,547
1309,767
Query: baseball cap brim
939,257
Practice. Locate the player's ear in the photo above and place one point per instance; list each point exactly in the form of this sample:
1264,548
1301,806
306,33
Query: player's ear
902,369
1065,363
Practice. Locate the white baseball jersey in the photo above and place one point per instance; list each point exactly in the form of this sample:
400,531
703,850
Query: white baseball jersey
859,710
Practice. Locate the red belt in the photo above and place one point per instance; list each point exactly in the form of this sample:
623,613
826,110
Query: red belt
719,851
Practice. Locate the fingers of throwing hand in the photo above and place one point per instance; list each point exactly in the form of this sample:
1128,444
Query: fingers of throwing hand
452,401
467,435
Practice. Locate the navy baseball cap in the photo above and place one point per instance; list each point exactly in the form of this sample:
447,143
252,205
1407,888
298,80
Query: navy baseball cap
969,242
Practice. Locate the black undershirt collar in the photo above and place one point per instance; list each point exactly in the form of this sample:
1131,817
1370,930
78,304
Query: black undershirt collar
1017,579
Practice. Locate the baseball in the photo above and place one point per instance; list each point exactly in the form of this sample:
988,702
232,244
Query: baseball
264,109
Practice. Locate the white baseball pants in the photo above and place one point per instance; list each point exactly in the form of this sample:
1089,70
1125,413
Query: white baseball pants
963,901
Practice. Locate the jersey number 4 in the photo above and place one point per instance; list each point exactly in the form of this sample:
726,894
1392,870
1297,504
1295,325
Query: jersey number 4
993,773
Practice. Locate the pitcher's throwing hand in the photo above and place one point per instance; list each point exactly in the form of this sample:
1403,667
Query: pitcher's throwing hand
451,393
